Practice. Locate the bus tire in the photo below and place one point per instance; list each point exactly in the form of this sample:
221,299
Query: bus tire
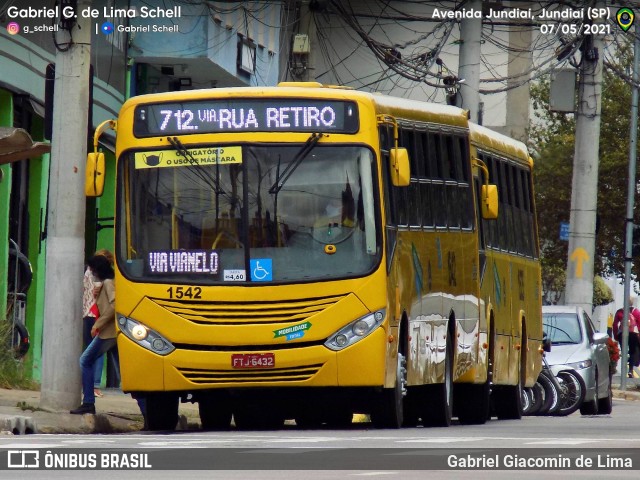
309,420
339,418
336,417
437,405
161,411
215,411
248,416
389,412
473,402
508,401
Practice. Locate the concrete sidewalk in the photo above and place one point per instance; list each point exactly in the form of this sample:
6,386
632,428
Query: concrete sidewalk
119,413
116,412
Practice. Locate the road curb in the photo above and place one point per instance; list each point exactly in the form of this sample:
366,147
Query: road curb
17,425
627,395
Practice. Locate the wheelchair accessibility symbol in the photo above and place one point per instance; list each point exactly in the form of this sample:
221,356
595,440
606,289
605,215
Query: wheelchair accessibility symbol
261,270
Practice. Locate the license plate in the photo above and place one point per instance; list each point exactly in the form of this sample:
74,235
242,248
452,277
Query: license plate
253,360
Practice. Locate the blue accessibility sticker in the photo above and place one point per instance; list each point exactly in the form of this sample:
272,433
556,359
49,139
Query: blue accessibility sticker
261,269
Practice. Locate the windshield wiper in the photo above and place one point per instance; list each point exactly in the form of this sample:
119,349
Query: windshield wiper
200,172
311,142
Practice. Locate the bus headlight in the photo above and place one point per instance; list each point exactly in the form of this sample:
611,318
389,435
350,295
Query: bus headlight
139,332
144,336
355,331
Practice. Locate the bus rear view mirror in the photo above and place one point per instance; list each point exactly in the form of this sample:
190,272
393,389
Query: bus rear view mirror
400,170
94,176
489,202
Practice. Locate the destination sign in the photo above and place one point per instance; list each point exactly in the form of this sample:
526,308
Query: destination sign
161,262
246,115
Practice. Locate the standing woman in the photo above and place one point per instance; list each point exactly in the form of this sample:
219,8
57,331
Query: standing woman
103,331
90,290
633,338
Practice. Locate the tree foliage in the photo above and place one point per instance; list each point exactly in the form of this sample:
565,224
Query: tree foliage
552,143
602,294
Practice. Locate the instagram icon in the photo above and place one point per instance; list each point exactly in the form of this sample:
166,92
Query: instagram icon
13,28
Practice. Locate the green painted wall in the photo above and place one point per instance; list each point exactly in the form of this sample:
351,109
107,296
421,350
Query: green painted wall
6,120
38,187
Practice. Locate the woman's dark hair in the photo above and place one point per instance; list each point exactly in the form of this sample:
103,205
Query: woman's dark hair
101,267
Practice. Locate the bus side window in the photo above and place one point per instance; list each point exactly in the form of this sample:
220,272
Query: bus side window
465,183
453,206
437,186
495,226
401,194
518,218
425,183
414,215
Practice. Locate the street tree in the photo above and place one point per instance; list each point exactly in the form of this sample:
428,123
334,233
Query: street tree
552,140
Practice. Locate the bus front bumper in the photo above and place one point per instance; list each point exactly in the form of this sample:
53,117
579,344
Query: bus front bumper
361,364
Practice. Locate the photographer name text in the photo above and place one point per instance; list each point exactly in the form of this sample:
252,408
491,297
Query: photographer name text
558,462
89,12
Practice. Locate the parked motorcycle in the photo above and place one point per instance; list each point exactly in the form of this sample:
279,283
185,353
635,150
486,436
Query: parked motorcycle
564,389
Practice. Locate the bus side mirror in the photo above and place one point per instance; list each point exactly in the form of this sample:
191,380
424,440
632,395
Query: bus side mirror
94,175
546,344
489,202
400,170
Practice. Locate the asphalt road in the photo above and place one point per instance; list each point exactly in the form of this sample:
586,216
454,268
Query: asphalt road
359,451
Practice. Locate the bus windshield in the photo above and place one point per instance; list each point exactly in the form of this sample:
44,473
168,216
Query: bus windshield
208,215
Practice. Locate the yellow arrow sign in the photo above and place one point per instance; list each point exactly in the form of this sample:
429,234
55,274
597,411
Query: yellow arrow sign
579,256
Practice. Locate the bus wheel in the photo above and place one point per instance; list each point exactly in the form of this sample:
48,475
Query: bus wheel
389,412
249,417
336,417
161,411
508,401
437,405
310,419
215,412
339,418
472,403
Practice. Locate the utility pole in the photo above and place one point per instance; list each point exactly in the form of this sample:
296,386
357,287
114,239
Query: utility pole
631,193
304,44
469,62
584,185
520,60
62,336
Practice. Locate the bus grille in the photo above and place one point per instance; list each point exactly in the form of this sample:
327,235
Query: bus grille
294,374
247,313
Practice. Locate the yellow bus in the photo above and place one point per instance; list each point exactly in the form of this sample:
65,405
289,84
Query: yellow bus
305,252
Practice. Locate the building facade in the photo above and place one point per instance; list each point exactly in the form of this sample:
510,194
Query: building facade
204,45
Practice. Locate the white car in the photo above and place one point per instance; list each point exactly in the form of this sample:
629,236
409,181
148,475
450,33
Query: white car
576,343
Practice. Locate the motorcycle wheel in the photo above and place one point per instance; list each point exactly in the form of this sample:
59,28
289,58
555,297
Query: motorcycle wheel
572,392
550,402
